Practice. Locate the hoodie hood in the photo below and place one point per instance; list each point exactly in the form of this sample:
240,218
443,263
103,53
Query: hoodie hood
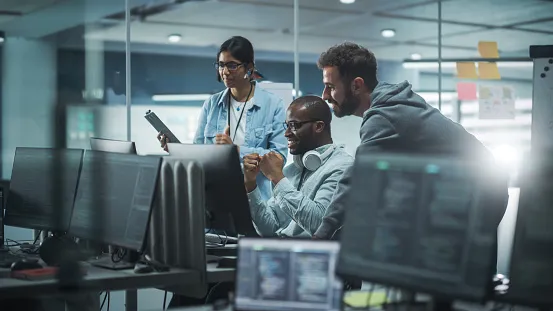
387,94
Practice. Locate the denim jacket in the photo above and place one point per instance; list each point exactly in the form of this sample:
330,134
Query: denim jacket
264,127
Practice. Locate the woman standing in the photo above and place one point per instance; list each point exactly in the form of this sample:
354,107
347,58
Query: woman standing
242,114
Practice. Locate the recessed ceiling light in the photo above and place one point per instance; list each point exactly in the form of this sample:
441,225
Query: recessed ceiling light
1,40
174,38
347,1
416,56
388,33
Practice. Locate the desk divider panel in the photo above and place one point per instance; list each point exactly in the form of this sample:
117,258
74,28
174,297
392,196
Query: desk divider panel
176,234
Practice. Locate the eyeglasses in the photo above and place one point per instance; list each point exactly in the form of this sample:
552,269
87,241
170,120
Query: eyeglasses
295,125
231,66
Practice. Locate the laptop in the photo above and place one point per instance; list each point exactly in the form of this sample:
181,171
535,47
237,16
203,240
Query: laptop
286,275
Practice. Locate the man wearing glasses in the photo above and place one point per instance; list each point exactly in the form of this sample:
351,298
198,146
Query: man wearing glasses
303,190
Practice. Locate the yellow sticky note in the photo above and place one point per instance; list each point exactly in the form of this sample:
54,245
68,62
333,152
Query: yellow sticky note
488,71
488,49
466,71
359,299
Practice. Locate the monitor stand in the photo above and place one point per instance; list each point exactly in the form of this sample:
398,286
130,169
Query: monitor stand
127,262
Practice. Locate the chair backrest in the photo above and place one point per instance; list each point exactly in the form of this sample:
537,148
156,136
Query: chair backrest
176,234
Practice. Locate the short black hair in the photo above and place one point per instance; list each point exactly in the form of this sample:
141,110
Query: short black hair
352,61
316,107
240,48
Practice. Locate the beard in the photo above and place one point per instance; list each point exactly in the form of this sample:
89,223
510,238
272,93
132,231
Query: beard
348,106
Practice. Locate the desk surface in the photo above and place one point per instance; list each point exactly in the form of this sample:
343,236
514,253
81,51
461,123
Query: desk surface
215,274
100,279
105,279
227,250
201,308
461,306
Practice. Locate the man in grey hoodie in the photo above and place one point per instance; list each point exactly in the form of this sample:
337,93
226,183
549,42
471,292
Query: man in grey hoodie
395,119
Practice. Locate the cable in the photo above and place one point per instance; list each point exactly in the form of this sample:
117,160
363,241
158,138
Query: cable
104,300
37,237
373,287
387,293
118,255
16,243
224,242
109,299
164,300
369,296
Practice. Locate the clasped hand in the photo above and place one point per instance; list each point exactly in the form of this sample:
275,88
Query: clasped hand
270,165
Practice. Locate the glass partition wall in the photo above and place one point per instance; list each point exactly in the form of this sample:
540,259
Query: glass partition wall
77,69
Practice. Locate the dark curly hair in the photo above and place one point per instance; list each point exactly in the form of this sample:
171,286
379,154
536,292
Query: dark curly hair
352,61
316,107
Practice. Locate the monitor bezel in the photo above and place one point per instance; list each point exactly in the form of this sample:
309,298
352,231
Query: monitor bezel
287,244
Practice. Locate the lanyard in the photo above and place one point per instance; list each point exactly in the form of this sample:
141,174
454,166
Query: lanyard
241,113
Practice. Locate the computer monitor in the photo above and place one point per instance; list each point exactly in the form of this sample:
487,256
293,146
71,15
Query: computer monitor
531,266
421,223
227,202
282,275
111,145
42,188
114,198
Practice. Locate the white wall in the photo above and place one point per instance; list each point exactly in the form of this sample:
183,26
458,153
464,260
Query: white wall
346,131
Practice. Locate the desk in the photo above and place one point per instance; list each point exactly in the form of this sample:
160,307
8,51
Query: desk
201,308
460,306
227,250
99,279
215,275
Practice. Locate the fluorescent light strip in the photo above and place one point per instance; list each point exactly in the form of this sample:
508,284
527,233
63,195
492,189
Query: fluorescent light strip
191,97
475,123
434,96
180,97
451,65
503,136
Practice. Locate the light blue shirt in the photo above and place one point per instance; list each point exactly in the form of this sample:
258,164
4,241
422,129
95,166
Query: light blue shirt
264,127
293,213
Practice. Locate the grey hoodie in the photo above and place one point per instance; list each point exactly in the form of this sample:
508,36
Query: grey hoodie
399,120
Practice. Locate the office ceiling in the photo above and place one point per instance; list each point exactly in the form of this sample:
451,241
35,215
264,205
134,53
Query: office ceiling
10,9
19,7
269,24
